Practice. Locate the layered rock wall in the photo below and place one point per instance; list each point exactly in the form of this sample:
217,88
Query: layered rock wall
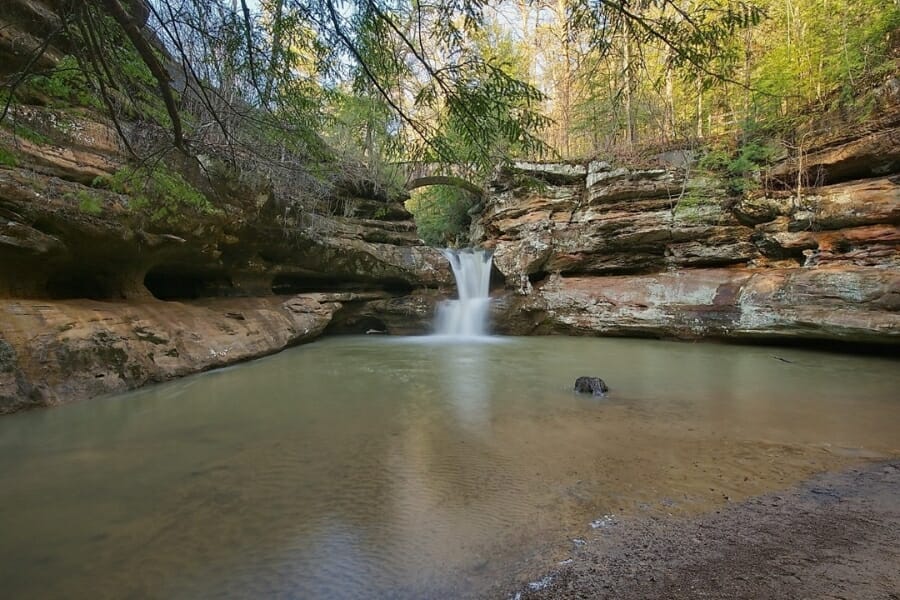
99,295
96,297
661,251
105,287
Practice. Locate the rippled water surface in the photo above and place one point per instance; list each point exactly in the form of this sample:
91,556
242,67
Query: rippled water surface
385,467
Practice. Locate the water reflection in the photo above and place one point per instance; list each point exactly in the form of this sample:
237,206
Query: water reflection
466,384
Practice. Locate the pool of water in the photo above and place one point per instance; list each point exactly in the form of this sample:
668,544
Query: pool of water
364,467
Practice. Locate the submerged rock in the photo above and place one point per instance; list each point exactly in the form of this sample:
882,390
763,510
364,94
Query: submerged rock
591,385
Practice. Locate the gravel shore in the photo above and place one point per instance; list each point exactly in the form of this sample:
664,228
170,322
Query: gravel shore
834,536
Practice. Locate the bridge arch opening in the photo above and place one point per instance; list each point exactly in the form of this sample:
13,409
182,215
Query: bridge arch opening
448,180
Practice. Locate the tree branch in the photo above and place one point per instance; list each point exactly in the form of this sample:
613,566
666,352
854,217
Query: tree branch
145,51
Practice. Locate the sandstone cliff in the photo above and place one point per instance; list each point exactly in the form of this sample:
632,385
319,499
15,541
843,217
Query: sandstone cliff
108,283
665,251
97,295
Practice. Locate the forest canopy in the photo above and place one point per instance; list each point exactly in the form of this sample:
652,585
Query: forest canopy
471,83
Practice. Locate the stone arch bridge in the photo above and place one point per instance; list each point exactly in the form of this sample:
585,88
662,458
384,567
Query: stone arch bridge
422,174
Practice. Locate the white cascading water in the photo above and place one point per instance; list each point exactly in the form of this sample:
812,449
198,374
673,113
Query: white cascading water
468,316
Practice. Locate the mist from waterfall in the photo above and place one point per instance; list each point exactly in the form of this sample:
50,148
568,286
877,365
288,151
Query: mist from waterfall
467,317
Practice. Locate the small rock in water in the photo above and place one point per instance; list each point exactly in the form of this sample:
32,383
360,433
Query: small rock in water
591,385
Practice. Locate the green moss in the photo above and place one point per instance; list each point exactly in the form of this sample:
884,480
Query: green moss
27,133
716,160
695,207
134,86
142,87
8,159
88,203
100,181
525,184
160,193
7,357
66,85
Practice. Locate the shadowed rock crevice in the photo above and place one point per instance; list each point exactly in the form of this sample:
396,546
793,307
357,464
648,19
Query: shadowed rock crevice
286,284
175,282
348,321
90,284
537,276
100,294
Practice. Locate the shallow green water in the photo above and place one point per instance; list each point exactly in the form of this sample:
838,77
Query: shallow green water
383,467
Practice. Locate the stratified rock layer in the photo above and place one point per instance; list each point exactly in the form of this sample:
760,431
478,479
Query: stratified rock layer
54,352
608,250
97,296
850,304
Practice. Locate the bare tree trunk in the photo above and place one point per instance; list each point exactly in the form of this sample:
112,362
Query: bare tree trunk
529,41
699,109
148,56
748,67
567,87
277,32
630,135
669,117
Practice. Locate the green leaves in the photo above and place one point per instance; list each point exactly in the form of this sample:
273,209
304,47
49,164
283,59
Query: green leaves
740,168
695,31
441,214
160,193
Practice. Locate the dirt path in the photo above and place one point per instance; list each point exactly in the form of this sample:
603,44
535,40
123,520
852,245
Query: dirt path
836,536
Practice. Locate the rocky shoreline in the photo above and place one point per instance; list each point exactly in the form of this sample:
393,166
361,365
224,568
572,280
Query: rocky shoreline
834,536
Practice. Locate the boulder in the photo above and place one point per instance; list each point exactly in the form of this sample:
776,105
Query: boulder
591,385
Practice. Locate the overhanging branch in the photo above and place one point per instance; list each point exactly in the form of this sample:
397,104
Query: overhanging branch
145,51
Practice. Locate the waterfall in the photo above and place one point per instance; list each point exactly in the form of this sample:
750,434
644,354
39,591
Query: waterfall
468,316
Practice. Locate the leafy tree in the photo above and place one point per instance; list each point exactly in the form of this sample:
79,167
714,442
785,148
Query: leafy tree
441,213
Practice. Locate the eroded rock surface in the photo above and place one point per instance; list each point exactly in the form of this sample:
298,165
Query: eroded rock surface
102,299
646,252
850,304
58,351
99,293
596,248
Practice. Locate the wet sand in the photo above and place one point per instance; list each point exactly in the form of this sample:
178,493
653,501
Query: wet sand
835,536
